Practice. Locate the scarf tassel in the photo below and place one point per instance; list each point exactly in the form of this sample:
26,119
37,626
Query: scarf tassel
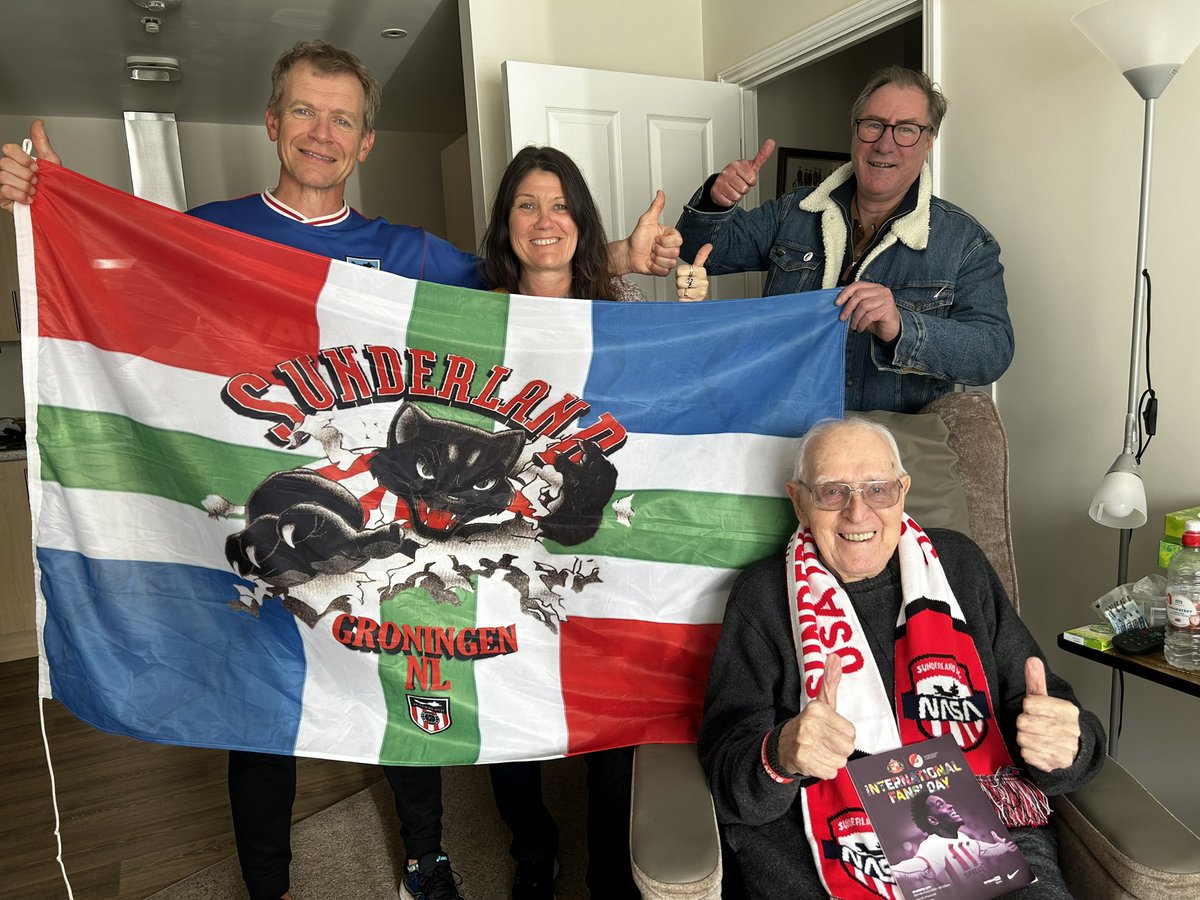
1019,803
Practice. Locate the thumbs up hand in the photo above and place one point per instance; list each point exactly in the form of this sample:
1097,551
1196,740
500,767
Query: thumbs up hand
1048,727
18,170
691,280
739,176
818,742
652,248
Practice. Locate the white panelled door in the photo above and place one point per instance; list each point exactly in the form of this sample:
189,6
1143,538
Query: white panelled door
630,135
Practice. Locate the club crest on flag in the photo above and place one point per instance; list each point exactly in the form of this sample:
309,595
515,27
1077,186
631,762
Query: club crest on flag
430,714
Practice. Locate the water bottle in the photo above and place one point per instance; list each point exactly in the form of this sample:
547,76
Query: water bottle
1182,646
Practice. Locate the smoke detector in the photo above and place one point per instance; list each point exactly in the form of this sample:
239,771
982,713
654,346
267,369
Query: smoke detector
153,68
158,6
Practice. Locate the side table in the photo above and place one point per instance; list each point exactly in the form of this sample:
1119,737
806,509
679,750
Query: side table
1151,666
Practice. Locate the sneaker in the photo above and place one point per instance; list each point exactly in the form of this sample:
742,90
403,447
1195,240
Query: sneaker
535,879
431,878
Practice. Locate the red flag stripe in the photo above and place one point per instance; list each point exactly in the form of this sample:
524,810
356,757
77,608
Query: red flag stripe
222,324
627,682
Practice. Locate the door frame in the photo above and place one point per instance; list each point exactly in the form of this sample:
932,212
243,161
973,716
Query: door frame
825,38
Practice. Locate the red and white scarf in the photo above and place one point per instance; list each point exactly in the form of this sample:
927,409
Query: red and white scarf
940,688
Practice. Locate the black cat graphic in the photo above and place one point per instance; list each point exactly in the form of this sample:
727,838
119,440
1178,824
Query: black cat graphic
447,480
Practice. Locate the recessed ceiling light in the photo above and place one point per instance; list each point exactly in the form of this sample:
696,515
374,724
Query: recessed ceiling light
152,68
393,33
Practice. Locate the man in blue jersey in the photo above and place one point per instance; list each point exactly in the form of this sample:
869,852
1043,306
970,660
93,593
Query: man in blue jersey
321,118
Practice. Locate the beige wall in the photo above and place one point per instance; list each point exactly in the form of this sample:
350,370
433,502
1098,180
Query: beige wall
456,194
661,38
735,30
1043,144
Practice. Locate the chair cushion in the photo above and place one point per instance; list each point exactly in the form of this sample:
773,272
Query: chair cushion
937,498
1117,841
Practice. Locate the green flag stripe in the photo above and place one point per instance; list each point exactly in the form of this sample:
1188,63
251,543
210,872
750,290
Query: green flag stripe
694,528
439,322
109,452
415,674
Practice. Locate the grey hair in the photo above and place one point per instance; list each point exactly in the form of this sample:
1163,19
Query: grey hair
824,426
907,78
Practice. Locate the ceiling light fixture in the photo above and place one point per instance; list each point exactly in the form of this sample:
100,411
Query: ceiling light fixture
393,33
153,68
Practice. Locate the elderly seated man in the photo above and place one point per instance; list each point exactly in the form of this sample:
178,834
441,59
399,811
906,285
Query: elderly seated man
824,653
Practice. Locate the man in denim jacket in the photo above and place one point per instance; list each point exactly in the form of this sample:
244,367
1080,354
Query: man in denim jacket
923,284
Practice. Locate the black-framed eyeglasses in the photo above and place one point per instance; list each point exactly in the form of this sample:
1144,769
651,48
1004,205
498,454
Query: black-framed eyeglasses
905,134
835,495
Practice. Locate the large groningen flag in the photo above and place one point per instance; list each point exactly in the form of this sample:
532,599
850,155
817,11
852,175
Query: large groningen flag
299,506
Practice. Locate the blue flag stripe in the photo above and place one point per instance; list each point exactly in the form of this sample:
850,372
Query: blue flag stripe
727,366
154,651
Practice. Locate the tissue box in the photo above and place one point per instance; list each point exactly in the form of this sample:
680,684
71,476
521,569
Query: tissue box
1173,531
1098,636
1166,549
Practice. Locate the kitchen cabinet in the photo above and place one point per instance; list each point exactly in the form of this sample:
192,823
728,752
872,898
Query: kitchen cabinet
10,323
17,636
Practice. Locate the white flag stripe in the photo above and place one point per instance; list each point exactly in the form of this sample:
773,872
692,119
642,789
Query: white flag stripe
652,461
520,695
354,295
570,324
106,381
343,693
138,527
664,592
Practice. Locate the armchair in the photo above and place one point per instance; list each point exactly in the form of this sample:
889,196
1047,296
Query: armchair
1115,839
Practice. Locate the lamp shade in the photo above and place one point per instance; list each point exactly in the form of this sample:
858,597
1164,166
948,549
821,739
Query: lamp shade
1120,501
1148,40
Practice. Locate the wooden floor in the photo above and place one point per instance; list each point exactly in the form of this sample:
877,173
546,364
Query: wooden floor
136,817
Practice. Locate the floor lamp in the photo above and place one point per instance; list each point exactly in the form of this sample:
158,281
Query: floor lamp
1148,41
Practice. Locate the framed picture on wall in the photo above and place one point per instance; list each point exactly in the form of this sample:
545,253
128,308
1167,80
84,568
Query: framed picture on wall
805,168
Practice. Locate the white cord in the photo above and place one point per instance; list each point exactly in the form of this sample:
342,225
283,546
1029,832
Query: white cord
27,146
54,800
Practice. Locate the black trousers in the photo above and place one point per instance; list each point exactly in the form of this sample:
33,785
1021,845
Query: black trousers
518,791
262,787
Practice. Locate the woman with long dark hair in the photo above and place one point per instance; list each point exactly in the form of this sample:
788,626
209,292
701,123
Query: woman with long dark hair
545,239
